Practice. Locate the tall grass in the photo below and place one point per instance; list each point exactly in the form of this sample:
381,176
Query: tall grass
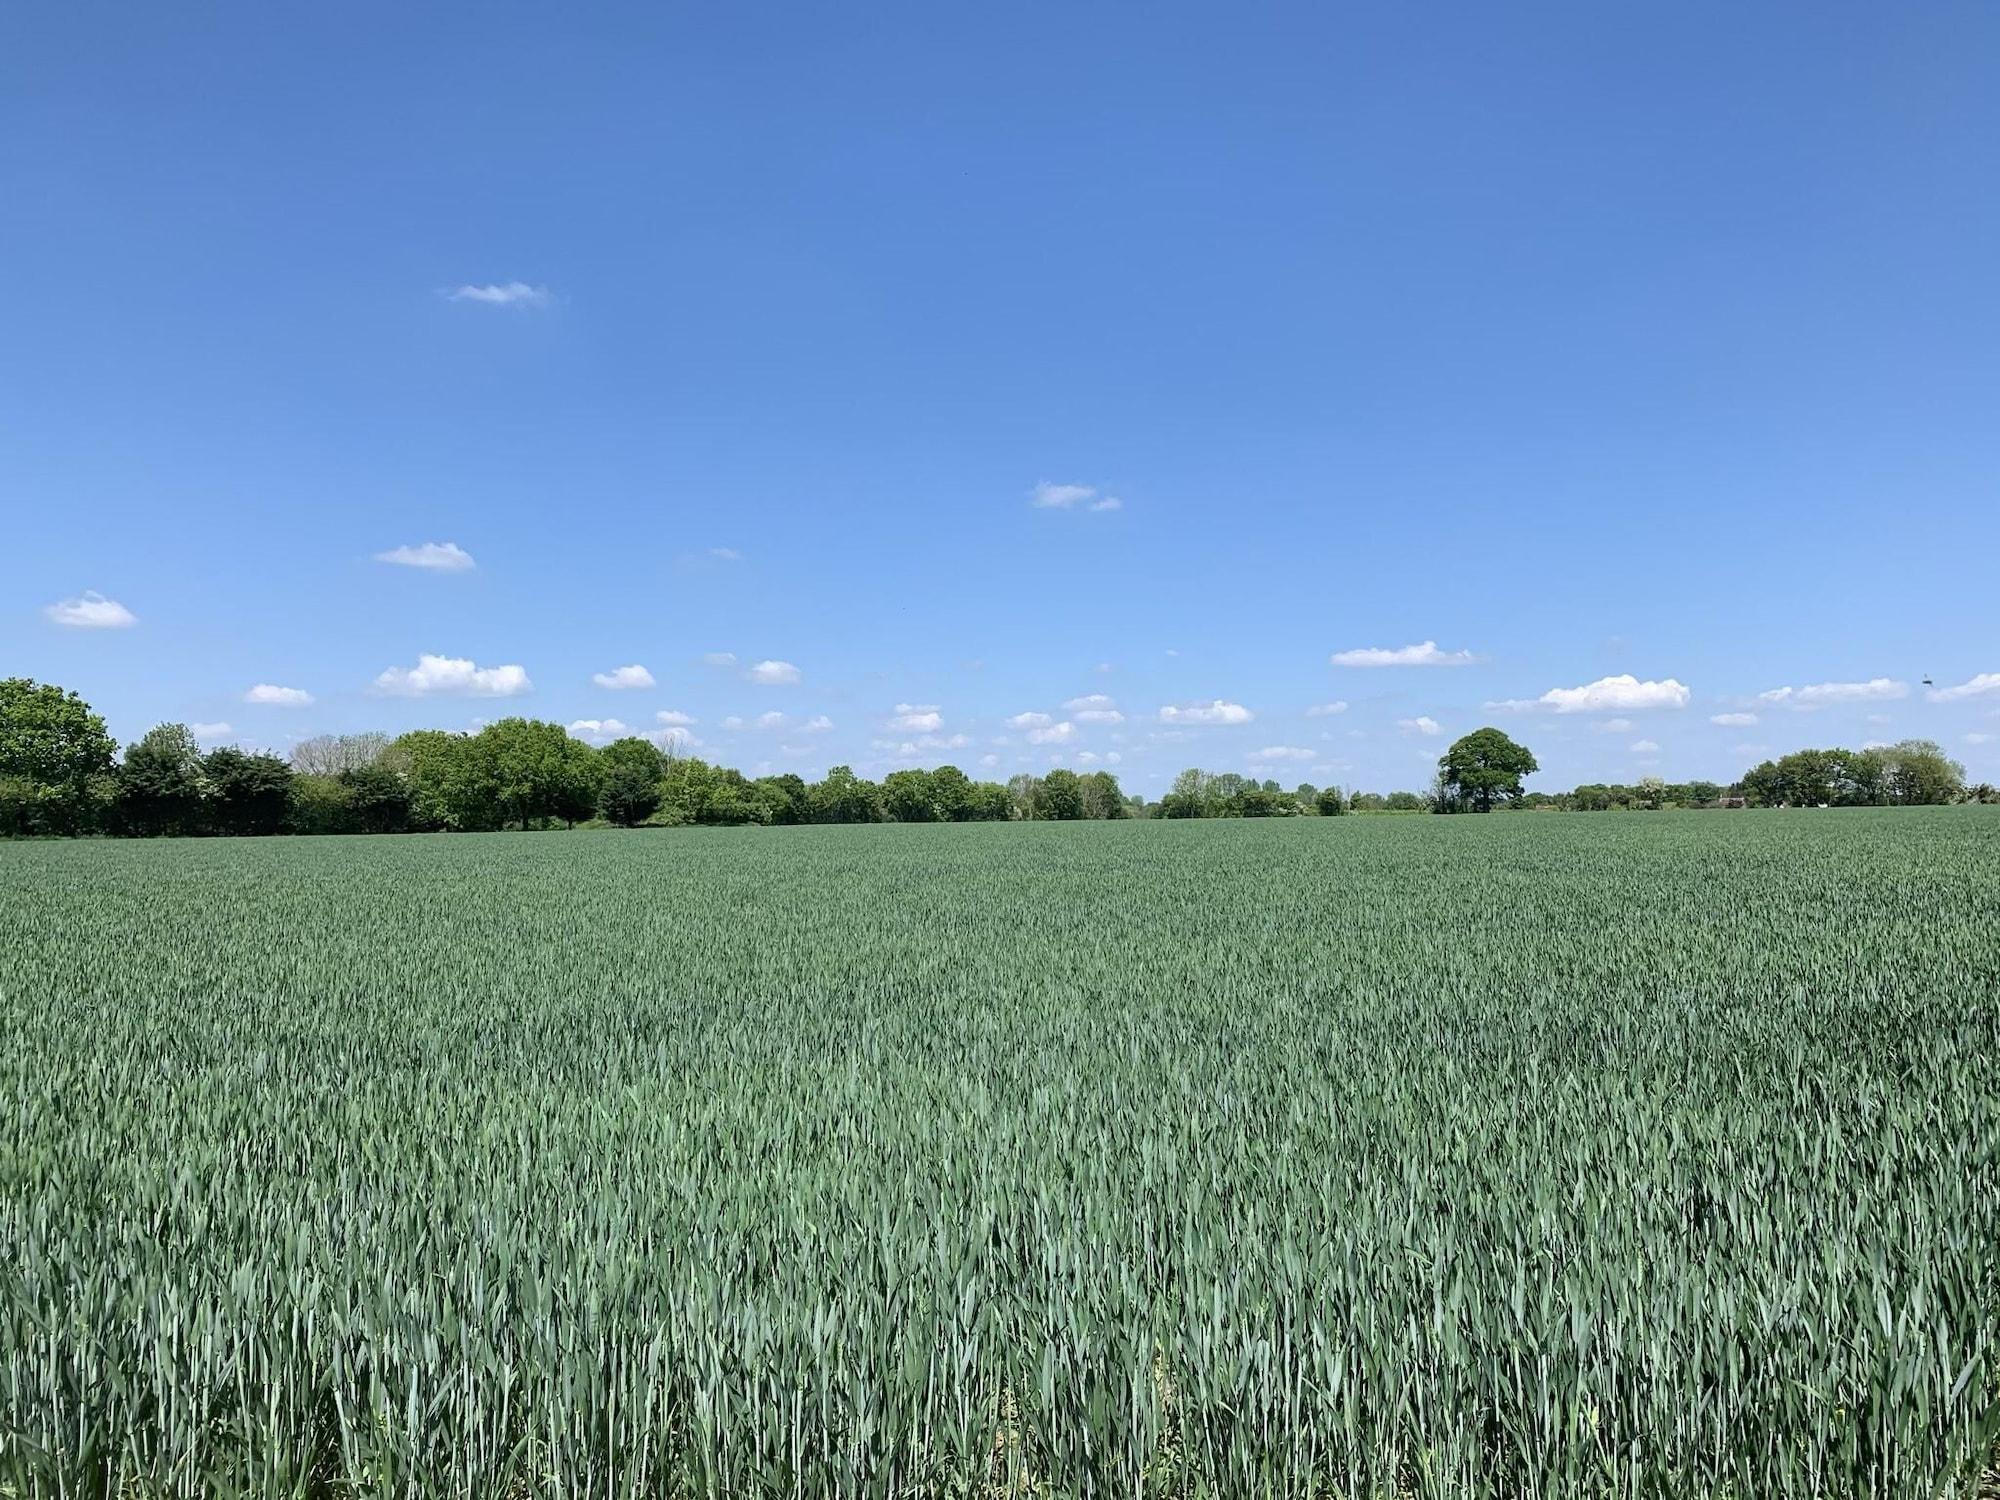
1365,1158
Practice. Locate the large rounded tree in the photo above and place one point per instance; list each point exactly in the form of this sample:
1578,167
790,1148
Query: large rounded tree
1482,771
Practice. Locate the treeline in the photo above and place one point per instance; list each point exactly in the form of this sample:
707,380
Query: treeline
61,773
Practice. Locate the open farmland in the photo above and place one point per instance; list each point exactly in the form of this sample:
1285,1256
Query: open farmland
1364,1157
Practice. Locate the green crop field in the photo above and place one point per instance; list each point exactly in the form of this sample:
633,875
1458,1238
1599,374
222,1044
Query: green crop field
1510,1156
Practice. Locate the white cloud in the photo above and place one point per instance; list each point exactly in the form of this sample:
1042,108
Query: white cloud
1613,726
1216,711
1820,694
279,697
989,759
1112,757
1052,734
598,731
771,720
503,294
725,554
1974,687
917,717
774,674
634,676
1100,716
818,724
1326,710
1622,692
1421,724
732,721
1029,721
1048,496
720,659
1086,757
438,557
673,740
1645,747
1733,721
1423,654
1091,701
452,674
90,610
210,732
1109,502
1272,753
1977,737
675,716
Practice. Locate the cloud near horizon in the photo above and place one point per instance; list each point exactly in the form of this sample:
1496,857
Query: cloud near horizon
90,610
1820,694
502,294
438,557
1973,687
1422,654
454,676
1215,711
619,678
279,697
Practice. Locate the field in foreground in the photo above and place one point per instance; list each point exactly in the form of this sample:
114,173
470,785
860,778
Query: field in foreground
1500,1157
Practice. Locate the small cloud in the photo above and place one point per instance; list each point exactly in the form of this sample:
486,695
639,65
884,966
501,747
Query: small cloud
719,659
675,716
1733,721
917,717
1974,687
1047,496
774,674
1978,737
989,759
1644,747
1621,692
818,724
90,610
598,731
1090,701
207,733
771,720
1029,721
278,697
1100,716
1613,726
1422,724
674,740
1820,694
1327,710
439,557
634,676
1052,734
732,721
1273,753
1423,654
1109,502
725,554
504,294
453,675
1216,711
1112,757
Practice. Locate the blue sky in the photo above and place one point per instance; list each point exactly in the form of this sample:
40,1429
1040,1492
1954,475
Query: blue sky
1586,343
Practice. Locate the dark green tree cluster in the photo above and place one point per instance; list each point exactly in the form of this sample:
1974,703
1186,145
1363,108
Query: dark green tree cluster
60,773
1482,771
1911,773
1199,794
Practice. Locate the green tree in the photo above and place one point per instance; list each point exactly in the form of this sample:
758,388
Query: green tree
55,759
449,781
989,802
1483,770
246,795
787,799
907,797
321,804
843,797
1330,803
1920,774
1059,798
951,790
1102,796
628,790
538,772
377,799
1189,797
159,783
